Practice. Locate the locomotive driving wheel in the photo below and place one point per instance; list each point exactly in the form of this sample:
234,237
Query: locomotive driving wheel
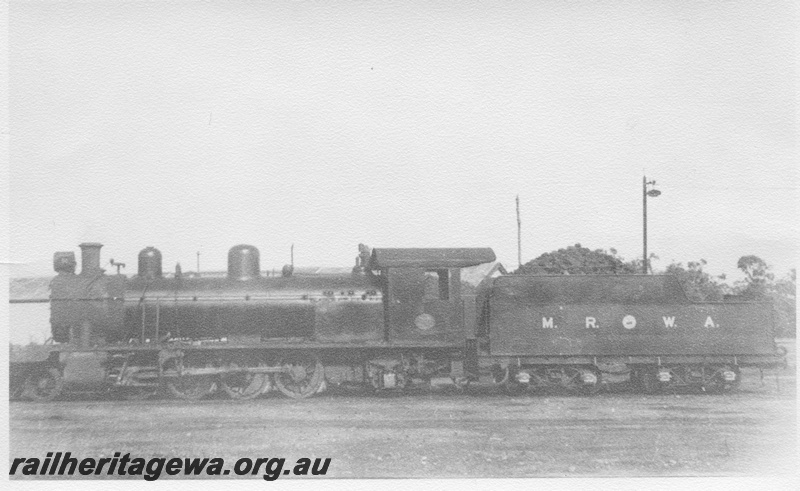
188,387
244,385
44,385
303,375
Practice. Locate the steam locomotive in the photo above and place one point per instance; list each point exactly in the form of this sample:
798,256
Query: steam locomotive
398,317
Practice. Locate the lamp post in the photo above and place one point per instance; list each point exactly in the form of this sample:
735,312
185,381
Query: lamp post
645,193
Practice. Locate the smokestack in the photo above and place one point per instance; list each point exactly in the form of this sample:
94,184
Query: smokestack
90,258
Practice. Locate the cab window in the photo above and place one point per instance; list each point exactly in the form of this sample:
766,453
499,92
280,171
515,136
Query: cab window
437,284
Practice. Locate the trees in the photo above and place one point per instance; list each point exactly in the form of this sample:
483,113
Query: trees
698,284
784,297
759,284
758,279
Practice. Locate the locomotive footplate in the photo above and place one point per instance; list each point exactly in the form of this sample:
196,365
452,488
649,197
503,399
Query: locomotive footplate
218,370
739,360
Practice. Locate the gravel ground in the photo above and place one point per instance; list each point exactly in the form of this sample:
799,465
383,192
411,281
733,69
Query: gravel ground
442,433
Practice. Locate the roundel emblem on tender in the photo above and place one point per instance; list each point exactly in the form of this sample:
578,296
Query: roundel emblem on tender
424,322
629,322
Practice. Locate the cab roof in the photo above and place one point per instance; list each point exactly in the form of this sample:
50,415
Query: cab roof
430,258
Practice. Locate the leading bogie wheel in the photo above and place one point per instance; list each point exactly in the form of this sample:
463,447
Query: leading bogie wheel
43,385
302,377
16,389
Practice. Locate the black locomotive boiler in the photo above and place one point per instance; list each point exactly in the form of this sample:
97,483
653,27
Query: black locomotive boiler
398,316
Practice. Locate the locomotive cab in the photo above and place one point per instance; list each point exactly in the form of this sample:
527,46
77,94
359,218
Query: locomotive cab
422,292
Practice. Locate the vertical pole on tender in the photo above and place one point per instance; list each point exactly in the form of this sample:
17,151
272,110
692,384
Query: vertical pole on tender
519,236
158,317
144,316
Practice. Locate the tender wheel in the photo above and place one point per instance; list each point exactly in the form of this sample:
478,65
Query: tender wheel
581,380
460,383
243,385
189,387
647,381
593,387
513,388
43,385
718,384
510,384
303,378
499,374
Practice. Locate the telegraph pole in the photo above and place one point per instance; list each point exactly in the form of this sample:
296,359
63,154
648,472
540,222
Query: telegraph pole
644,225
519,236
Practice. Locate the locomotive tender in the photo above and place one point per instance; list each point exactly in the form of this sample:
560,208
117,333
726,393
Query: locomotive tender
399,316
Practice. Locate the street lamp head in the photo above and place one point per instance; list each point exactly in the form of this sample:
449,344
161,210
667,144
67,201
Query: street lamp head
653,193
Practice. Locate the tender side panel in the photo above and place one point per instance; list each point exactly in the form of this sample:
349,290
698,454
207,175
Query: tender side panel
518,328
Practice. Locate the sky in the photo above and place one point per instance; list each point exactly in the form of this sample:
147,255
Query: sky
195,126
